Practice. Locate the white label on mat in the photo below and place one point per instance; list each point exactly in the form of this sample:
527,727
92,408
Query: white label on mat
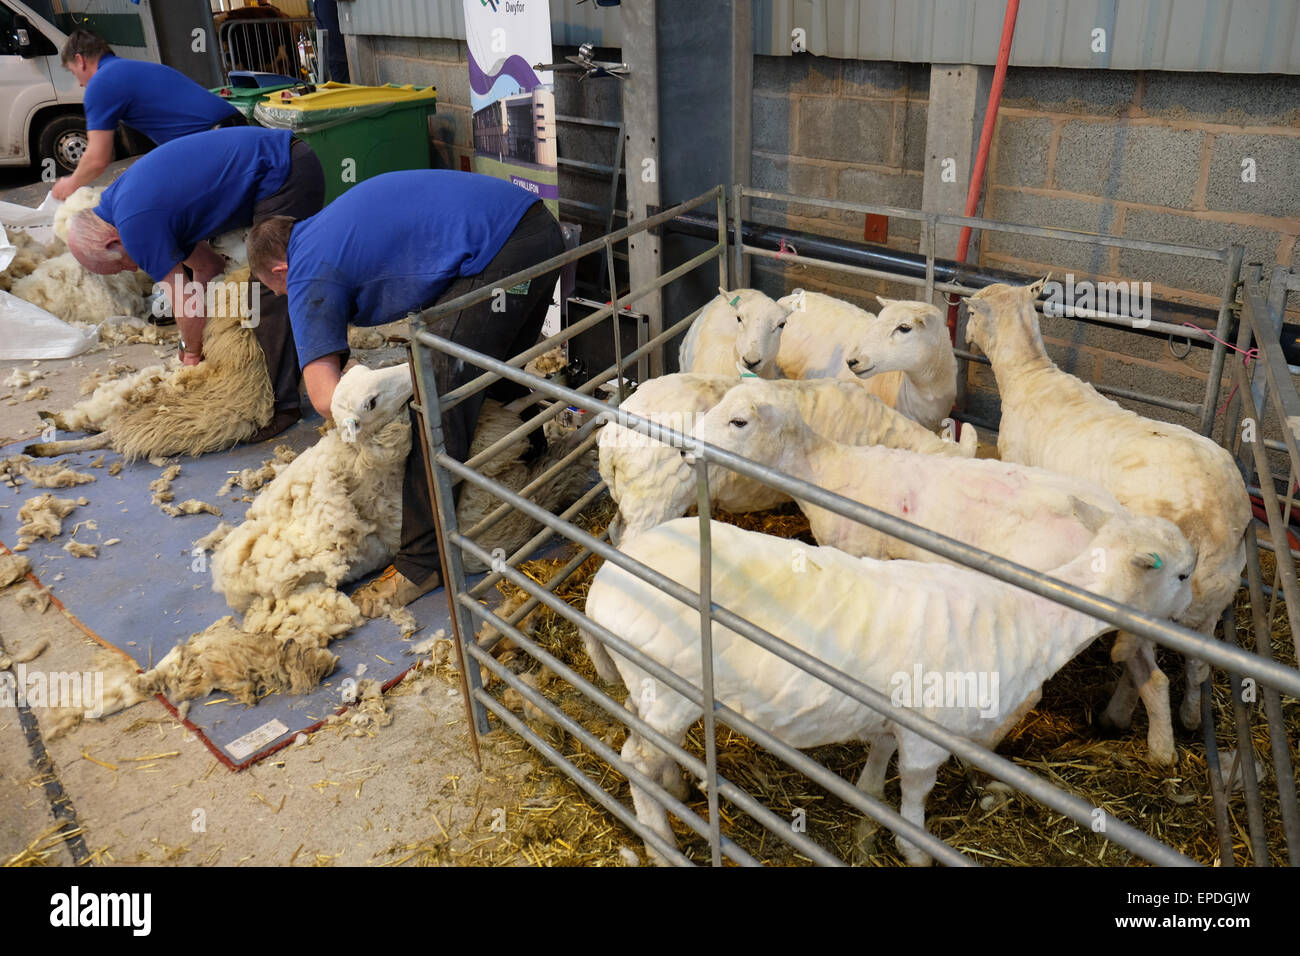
254,740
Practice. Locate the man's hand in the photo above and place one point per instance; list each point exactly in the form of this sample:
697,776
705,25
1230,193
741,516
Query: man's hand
191,358
98,154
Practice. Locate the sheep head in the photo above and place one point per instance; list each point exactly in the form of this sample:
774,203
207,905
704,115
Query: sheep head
759,325
999,307
366,399
754,420
900,338
1141,560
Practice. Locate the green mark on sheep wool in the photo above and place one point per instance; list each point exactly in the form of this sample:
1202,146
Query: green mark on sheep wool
520,289
1159,564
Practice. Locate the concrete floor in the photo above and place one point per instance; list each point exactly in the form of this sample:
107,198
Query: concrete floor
142,789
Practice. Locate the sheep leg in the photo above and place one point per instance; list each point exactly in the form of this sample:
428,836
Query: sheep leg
1153,687
872,780
52,449
1195,673
655,764
918,765
600,659
1118,714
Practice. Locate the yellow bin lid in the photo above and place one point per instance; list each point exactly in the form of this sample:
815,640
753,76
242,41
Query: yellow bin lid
335,96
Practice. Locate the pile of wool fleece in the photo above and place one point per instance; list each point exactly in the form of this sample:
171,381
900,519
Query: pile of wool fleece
279,647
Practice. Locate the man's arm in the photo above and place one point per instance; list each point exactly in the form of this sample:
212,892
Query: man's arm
321,376
206,263
189,315
98,154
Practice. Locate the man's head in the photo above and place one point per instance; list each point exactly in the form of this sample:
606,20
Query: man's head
268,252
82,52
97,245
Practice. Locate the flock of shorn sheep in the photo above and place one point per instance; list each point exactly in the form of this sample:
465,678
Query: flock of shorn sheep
1142,512
1139,511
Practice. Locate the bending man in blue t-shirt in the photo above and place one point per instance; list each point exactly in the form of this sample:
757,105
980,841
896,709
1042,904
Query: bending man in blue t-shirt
396,244
156,100
159,213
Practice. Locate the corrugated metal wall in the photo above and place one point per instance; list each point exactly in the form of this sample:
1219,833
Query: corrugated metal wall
571,24
1221,36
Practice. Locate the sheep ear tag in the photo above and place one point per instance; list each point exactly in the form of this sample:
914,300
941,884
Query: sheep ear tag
735,302
1158,563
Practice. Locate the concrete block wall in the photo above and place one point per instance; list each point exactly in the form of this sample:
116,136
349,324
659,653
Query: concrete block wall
1141,155
836,129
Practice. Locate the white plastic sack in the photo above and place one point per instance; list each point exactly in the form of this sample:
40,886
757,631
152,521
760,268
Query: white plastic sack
38,222
29,332
7,250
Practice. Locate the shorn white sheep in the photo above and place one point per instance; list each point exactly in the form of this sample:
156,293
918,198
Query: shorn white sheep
178,410
1032,516
903,354
650,482
876,621
1053,420
738,330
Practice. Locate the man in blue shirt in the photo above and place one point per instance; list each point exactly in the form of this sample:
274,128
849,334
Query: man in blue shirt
400,243
156,100
159,213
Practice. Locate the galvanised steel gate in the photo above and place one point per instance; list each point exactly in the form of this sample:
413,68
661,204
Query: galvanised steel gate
1260,321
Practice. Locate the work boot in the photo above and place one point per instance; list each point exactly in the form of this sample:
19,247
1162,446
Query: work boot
392,589
280,421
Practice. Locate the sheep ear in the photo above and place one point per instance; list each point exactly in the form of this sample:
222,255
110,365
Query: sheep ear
980,306
1036,289
724,293
1091,516
924,313
883,301
1148,560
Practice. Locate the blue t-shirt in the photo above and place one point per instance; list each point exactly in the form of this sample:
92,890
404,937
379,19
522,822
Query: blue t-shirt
179,194
390,246
160,102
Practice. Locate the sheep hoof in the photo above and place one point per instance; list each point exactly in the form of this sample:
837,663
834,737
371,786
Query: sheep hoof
1189,719
865,845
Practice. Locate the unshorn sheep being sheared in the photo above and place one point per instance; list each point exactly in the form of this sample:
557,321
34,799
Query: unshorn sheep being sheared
1053,420
166,410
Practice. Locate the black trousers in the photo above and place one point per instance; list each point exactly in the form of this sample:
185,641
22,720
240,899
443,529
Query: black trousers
302,195
501,335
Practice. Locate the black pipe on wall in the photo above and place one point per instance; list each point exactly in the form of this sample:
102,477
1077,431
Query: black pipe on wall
912,264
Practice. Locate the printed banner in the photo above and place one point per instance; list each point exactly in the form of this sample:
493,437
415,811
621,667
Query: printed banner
514,106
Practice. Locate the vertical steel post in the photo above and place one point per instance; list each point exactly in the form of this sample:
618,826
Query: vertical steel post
453,566
706,656
1221,331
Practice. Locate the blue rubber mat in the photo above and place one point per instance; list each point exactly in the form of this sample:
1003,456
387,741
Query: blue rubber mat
153,590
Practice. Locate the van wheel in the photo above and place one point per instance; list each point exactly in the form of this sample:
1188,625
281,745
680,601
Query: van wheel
64,140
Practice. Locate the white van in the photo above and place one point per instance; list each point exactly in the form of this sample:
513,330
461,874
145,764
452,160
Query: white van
40,101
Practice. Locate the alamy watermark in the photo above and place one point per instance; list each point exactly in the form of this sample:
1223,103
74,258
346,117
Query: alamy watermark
1081,298
36,688
216,300
922,688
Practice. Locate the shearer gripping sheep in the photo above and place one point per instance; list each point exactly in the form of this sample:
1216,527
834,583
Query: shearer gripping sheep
150,98
400,243
159,213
